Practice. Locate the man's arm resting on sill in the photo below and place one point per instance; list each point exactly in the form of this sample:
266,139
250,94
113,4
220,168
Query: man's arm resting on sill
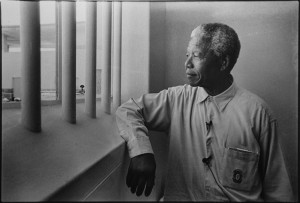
134,118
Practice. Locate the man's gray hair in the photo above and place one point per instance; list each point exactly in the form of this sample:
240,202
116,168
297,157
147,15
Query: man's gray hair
221,39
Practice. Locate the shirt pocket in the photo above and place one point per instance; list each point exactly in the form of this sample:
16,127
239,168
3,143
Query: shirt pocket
239,169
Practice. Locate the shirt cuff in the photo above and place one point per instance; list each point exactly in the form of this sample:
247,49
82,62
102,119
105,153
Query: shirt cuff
139,146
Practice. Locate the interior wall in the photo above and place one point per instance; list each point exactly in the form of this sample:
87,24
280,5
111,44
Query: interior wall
135,49
268,60
157,46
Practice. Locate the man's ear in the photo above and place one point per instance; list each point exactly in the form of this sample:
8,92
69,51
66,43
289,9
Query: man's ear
225,63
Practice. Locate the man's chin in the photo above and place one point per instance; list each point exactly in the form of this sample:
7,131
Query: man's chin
195,84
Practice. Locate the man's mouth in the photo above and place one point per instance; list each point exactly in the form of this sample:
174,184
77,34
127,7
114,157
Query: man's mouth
190,75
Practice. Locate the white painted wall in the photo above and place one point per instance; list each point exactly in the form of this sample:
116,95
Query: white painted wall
135,49
157,46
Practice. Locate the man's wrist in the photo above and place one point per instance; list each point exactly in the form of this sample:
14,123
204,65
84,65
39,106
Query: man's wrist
137,147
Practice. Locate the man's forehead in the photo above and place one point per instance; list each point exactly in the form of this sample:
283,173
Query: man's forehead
196,42
196,31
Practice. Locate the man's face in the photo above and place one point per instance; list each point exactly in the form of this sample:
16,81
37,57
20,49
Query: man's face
202,66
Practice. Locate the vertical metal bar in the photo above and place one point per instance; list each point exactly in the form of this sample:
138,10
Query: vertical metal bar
58,77
30,65
117,48
69,61
1,60
90,82
106,57
4,43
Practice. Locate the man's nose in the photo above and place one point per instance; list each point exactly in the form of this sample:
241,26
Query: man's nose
188,63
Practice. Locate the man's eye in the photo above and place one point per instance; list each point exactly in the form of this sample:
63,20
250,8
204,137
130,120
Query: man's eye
196,54
187,55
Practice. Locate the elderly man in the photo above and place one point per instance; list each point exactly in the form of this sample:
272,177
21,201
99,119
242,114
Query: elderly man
223,143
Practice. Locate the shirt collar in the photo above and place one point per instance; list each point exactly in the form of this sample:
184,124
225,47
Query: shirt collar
222,99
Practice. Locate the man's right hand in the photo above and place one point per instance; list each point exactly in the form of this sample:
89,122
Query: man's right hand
141,174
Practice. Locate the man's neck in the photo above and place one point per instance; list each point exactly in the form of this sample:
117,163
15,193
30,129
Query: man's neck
220,86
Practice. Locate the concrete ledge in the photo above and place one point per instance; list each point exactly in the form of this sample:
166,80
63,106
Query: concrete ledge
86,183
35,166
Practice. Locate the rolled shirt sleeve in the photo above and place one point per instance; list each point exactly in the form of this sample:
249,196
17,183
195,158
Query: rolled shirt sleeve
136,117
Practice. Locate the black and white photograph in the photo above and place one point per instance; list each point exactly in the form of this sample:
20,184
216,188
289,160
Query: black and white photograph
116,100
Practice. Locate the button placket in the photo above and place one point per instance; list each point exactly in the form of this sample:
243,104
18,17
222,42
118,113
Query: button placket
207,192
209,116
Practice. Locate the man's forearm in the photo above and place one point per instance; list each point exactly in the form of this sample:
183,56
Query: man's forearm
132,129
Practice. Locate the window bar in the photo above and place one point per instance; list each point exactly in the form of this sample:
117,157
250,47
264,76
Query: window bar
4,43
117,35
58,78
90,82
69,61
30,65
106,58
1,59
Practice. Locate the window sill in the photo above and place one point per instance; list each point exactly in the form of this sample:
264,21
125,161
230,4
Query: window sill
35,166
17,105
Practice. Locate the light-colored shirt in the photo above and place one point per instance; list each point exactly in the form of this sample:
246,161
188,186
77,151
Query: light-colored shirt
235,130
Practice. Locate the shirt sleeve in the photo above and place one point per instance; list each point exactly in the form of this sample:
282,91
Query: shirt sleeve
276,182
135,117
